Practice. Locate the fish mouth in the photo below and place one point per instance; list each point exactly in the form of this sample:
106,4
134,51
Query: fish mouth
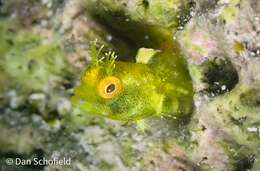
93,108
102,110
125,117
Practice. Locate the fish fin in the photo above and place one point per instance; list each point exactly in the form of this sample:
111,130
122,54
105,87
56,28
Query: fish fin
142,125
145,54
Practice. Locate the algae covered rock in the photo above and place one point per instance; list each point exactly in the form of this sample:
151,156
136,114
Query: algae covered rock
28,57
224,126
165,13
45,48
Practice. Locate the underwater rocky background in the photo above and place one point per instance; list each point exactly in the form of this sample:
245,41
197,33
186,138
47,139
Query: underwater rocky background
44,48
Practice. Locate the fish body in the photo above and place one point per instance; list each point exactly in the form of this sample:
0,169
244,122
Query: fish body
157,84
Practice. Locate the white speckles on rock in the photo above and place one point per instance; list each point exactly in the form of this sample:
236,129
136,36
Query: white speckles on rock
44,23
252,129
109,38
37,96
14,100
45,1
108,152
64,106
223,87
94,135
72,8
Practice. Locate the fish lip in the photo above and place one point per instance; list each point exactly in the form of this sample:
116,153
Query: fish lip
123,117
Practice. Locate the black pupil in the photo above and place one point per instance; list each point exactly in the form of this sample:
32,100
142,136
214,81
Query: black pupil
110,88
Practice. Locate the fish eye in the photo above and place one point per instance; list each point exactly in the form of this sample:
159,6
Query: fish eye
109,87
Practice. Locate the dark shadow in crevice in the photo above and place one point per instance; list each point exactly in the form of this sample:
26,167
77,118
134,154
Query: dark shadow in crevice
220,75
132,33
245,163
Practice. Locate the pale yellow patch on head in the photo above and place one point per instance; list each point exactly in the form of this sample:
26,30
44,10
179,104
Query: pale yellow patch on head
91,76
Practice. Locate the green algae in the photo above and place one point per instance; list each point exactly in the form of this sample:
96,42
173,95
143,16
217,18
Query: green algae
235,119
241,157
155,12
251,98
29,60
128,153
229,13
238,47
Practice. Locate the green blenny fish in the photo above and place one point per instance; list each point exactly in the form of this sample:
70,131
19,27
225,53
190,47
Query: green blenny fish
157,84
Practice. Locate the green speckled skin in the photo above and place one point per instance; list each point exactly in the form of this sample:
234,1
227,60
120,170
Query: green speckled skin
161,87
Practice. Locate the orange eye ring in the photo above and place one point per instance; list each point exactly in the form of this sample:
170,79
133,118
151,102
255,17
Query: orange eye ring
109,87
